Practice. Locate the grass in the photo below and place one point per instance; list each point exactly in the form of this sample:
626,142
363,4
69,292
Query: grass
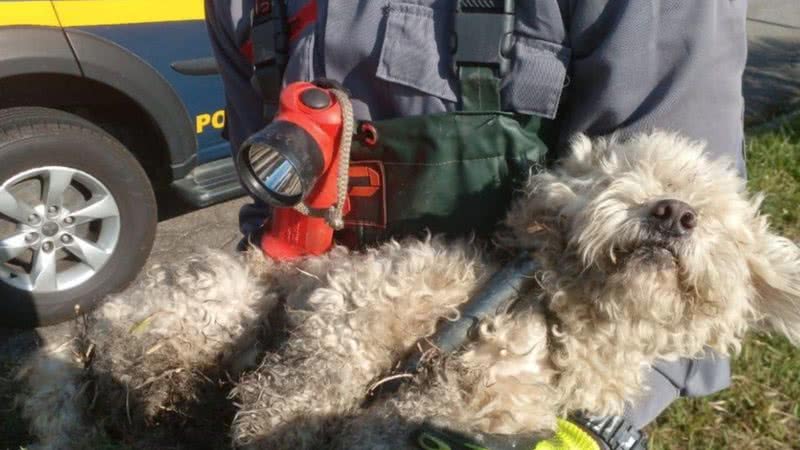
761,410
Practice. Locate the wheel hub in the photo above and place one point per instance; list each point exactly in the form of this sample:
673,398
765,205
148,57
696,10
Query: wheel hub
50,229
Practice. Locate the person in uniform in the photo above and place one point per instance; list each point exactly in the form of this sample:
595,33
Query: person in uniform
591,66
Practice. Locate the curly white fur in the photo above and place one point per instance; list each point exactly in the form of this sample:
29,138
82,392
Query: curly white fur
614,295
370,309
148,357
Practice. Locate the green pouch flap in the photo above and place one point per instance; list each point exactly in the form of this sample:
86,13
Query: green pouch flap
451,173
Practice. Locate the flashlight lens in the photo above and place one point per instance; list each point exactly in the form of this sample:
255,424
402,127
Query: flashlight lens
280,164
276,174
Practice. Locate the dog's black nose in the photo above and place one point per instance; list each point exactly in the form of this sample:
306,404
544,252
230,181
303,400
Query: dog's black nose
674,217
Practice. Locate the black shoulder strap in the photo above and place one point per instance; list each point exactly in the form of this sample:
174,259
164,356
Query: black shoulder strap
269,34
482,58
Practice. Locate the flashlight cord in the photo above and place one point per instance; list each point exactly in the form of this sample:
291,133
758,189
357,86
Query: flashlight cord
333,215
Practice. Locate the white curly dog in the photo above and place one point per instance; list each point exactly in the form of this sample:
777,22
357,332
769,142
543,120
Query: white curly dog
648,250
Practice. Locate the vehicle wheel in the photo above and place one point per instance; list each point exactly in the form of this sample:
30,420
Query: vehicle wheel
77,216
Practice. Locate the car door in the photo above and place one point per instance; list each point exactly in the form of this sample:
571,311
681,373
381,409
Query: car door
171,37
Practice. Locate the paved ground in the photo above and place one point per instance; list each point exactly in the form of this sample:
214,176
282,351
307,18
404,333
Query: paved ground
772,77
215,227
771,85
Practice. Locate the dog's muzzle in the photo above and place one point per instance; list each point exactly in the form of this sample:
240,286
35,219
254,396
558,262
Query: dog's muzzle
673,218
658,255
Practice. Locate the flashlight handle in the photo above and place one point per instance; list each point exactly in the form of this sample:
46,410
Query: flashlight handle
291,235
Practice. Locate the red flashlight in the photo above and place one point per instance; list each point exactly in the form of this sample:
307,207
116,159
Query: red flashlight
294,160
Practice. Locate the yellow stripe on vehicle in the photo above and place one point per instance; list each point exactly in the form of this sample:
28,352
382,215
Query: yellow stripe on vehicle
76,13
28,13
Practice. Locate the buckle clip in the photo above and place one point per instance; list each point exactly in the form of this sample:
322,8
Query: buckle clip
483,35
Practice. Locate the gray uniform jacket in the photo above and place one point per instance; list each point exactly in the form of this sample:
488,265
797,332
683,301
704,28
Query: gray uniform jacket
596,66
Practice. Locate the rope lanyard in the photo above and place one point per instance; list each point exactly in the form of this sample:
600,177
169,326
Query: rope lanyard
334,215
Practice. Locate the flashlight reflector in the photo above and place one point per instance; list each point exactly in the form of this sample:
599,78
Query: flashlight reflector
276,173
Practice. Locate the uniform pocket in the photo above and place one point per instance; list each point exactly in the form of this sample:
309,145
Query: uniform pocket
537,77
415,50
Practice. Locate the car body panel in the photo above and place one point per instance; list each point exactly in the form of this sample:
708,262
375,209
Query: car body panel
33,12
162,44
129,44
52,52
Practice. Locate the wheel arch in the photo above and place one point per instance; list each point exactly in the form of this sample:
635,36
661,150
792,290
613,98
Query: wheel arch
44,52
34,49
108,63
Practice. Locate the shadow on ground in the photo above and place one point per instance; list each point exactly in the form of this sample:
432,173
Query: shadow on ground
769,88
14,346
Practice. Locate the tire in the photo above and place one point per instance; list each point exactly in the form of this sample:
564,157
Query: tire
39,145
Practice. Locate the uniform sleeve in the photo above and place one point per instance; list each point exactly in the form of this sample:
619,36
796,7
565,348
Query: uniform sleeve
668,64
225,20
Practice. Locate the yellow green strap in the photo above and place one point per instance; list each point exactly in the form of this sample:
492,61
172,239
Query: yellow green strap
568,437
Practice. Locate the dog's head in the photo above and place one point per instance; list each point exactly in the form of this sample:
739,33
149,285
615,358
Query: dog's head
651,228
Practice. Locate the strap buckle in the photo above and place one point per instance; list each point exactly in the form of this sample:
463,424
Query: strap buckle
483,35
613,432
270,37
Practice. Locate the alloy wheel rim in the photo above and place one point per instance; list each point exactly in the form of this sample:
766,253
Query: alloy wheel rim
63,238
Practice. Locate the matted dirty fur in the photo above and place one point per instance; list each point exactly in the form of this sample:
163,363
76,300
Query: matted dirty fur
616,292
150,366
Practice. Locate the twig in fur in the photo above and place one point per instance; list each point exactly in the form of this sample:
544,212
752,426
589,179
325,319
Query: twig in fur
154,348
88,354
158,377
308,274
128,404
378,383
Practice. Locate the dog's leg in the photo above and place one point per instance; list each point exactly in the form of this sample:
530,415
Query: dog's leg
156,351
202,314
370,309
500,385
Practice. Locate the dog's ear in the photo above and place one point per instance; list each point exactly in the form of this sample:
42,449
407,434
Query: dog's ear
535,215
776,276
538,211
582,155
547,193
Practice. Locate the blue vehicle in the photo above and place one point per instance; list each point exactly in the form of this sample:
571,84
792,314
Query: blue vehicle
107,108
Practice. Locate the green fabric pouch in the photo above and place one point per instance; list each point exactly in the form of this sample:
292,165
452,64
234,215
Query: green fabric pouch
451,173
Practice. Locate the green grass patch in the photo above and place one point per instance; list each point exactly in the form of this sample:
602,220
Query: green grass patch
761,410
